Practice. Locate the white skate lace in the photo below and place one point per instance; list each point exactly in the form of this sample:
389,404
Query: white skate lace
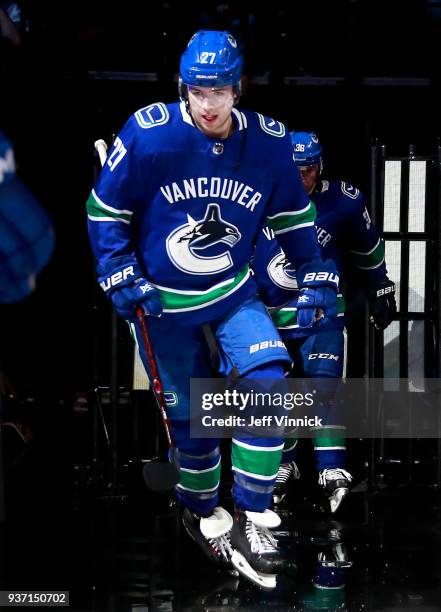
222,546
260,539
333,474
285,471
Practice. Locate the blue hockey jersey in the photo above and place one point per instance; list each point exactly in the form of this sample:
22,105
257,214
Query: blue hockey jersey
345,234
190,207
27,235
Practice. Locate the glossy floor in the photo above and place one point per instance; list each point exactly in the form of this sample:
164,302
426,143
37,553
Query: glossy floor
125,550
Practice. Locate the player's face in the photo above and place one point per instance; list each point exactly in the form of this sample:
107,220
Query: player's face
309,176
211,109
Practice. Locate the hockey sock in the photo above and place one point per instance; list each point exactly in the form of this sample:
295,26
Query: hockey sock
255,461
199,484
199,468
329,441
289,450
330,447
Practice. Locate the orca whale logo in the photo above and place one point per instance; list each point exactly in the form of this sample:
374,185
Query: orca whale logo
186,243
281,272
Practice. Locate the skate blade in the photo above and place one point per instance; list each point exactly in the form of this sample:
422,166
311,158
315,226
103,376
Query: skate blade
265,581
336,564
221,564
277,499
336,498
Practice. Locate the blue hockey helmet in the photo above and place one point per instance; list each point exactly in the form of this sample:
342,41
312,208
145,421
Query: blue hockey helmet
212,59
307,150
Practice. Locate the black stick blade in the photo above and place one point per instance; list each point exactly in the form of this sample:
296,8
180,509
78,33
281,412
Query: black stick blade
160,476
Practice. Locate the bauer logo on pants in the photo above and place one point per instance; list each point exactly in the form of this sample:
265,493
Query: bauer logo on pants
266,344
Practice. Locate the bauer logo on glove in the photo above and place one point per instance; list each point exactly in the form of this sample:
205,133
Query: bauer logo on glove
318,292
116,278
382,304
303,299
122,280
386,290
321,276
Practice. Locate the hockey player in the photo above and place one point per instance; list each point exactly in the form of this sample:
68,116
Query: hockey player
172,221
26,232
346,234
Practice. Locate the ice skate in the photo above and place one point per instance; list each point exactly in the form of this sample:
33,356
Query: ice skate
211,534
286,472
335,556
335,483
255,552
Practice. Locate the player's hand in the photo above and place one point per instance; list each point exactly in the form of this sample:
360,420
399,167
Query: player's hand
315,305
317,301
140,293
319,314
121,279
382,304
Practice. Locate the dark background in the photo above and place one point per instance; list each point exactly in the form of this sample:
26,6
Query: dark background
59,94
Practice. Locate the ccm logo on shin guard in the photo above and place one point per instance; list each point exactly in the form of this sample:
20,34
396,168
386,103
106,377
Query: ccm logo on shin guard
323,356
321,276
266,344
116,278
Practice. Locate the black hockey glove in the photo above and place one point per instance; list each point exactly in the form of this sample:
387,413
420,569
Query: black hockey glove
382,304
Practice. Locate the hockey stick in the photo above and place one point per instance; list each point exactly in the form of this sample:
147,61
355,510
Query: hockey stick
158,476
101,148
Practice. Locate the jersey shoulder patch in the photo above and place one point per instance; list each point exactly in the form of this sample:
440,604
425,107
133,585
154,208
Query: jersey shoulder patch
350,191
153,115
271,126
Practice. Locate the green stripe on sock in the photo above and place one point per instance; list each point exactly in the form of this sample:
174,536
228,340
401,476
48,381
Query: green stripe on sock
329,437
261,462
200,481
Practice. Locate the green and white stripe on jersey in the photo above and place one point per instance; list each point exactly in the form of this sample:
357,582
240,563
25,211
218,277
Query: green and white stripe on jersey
286,318
291,220
182,300
371,259
97,210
